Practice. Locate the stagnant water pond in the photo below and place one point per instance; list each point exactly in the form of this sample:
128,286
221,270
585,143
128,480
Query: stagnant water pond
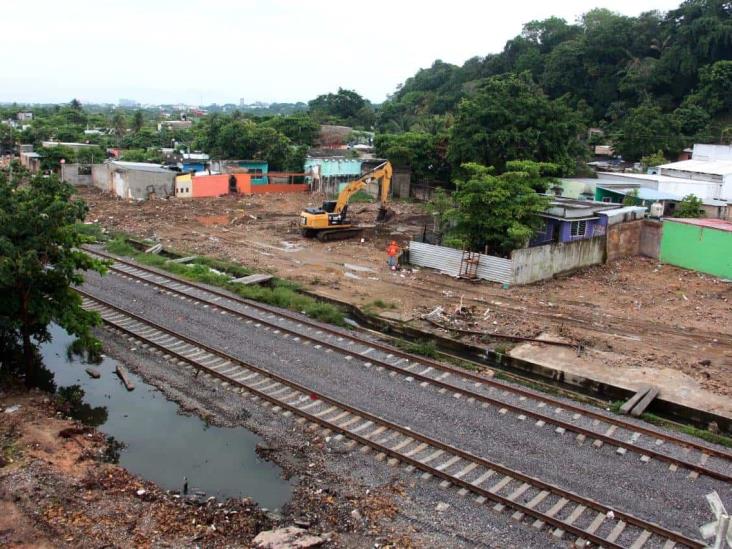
163,445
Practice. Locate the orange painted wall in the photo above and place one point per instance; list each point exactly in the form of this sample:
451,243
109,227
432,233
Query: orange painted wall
210,185
217,185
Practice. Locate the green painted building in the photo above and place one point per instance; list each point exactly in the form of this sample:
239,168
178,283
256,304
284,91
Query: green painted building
703,245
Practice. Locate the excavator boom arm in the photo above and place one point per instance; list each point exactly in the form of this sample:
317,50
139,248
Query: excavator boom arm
382,172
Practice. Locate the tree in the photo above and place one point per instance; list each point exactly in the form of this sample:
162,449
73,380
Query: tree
344,107
497,212
75,104
40,261
138,121
440,206
510,118
714,94
423,153
690,206
645,130
119,124
299,128
653,160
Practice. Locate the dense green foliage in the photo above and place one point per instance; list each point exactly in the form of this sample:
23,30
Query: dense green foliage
509,118
345,107
39,262
690,206
497,213
659,81
281,141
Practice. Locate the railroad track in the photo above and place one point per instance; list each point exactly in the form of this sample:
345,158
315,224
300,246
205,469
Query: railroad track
526,498
544,410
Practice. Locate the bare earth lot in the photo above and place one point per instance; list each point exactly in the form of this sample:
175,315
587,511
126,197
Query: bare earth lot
639,320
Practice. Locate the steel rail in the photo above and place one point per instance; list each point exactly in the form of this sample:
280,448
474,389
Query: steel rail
451,369
674,536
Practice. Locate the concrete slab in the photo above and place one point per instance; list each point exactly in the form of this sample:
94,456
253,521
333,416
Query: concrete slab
673,385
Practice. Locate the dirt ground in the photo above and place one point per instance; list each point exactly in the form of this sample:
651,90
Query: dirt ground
57,490
632,312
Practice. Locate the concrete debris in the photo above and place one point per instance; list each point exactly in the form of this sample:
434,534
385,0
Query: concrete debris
361,268
290,537
156,249
93,373
186,259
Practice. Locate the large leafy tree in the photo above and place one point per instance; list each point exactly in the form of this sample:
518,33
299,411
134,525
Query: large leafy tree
510,118
422,152
497,212
344,107
646,130
40,261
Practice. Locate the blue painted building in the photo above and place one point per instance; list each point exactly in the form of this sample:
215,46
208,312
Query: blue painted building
567,220
326,174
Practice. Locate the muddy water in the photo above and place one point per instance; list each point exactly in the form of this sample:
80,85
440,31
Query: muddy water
163,445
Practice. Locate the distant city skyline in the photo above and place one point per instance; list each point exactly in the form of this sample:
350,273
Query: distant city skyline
275,51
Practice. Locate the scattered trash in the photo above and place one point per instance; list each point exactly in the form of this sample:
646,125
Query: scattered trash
12,409
287,538
442,506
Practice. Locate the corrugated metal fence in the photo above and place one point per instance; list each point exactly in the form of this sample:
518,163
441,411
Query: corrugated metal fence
447,260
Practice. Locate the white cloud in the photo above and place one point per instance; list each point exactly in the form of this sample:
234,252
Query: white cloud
269,50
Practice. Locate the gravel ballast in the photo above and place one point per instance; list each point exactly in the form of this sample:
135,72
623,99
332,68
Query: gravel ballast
648,490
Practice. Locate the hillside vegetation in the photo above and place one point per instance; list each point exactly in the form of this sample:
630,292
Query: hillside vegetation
656,82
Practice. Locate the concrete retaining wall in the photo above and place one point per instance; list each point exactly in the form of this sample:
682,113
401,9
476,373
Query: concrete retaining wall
542,262
650,238
76,174
623,239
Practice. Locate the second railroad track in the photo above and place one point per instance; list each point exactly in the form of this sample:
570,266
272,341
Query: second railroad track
586,424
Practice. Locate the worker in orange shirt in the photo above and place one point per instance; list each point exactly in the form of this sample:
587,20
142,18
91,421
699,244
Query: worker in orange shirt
392,251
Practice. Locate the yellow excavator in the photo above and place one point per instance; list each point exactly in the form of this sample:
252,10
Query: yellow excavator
331,222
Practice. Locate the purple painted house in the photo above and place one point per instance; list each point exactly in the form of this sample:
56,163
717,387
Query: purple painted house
567,220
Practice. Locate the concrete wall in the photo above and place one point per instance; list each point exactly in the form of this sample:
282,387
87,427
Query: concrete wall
542,262
401,183
650,238
70,174
102,177
138,184
698,248
623,240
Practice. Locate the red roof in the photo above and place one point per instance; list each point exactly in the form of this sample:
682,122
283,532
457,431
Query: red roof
719,224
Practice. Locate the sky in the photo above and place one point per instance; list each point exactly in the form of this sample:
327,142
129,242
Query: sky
221,51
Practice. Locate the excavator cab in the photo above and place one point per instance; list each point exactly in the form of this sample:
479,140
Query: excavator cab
330,222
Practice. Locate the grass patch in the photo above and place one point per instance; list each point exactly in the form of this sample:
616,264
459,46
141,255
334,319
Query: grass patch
281,293
92,231
421,347
703,434
361,196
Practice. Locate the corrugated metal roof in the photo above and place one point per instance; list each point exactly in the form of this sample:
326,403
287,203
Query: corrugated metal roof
715,167
140,166
719,224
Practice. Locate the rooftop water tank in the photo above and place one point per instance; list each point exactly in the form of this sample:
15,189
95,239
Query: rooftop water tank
656,210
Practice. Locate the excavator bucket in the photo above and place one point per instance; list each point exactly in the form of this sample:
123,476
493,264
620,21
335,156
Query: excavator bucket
384,214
